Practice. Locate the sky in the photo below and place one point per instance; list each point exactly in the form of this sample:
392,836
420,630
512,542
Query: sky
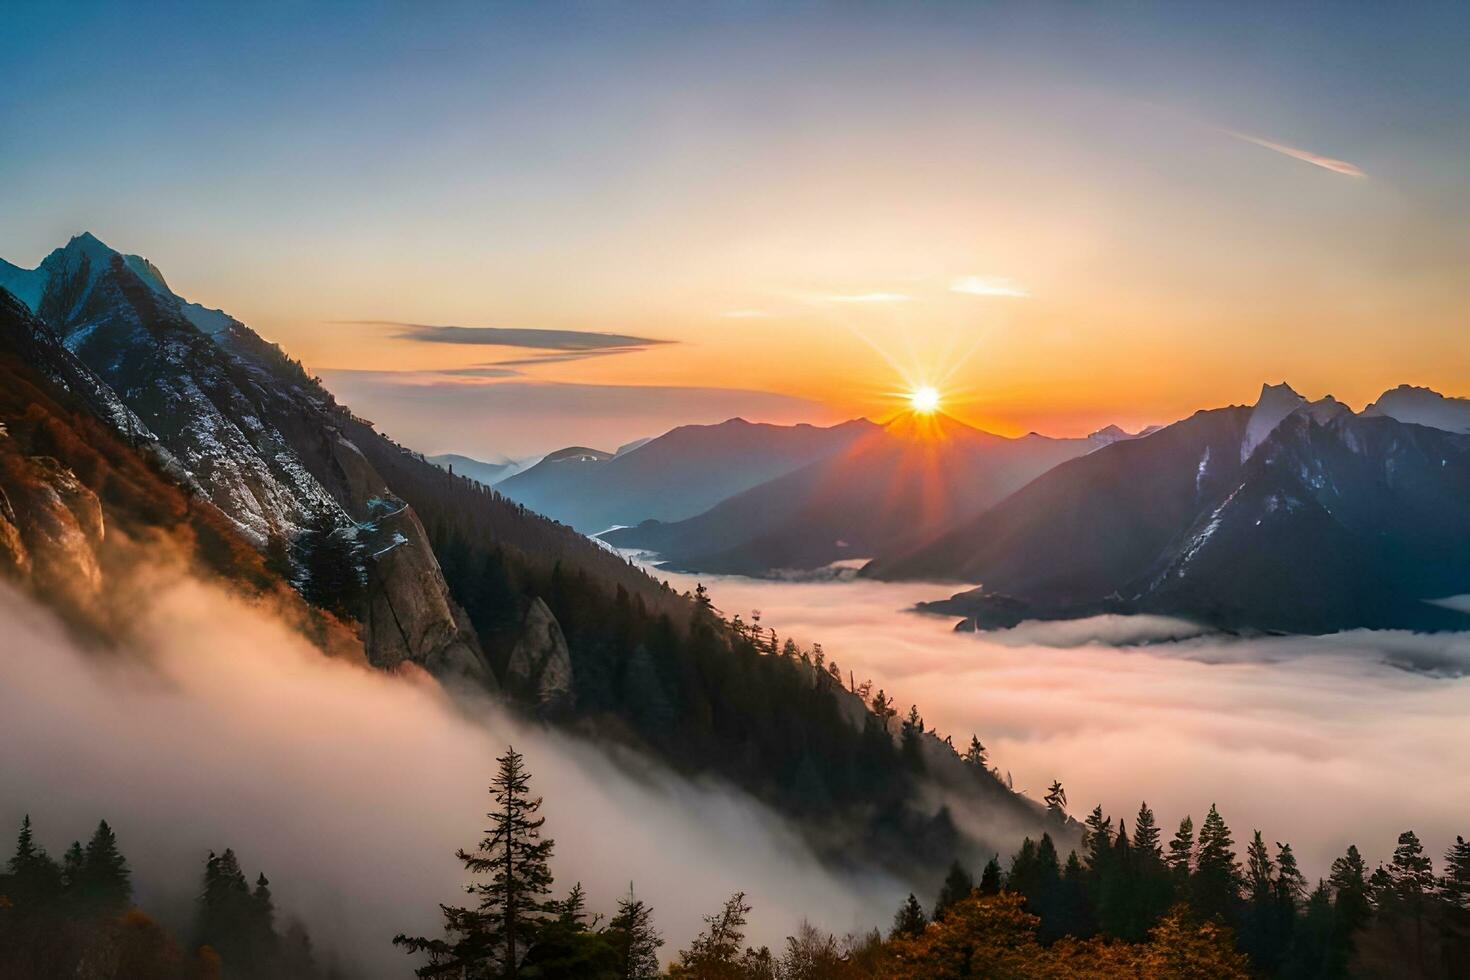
1060,216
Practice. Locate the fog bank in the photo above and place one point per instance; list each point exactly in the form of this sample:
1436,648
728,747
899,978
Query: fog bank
351,789
1320,741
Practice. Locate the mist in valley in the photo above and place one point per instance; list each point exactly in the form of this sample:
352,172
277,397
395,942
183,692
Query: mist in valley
351,788
1319,741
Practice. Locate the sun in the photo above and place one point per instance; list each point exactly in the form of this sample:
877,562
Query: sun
924,400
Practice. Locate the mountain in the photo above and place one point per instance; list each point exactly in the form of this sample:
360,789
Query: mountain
901,482
679,474
132,436
481,471
1289,515
1423,407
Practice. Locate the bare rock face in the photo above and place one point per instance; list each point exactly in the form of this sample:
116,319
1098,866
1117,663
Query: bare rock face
56,528
540,666
15,561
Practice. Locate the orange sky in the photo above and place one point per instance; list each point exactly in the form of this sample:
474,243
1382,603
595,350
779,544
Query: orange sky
1146,212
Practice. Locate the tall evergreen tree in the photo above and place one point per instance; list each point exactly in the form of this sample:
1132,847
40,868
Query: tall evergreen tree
715,954
1146,839
35,879
635,938
1409,892
956,888
1351,904
975,755
990,877
1097,840
105,878
512,907
1215,885
1056,801
1181,852
909,920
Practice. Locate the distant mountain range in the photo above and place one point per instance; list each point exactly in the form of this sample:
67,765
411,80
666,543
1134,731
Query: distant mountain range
892,484
1287,515
679,474
487,472
137,427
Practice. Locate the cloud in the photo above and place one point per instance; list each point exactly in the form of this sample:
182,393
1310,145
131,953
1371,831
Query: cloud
564,340
868,298
1320,741
577,355
987,286
218,727
1326,163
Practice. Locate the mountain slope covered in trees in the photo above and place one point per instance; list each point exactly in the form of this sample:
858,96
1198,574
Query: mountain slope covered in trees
430,567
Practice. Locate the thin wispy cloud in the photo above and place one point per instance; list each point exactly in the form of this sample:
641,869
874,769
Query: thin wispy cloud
529,337
987,286
563,357
1306,156
868,298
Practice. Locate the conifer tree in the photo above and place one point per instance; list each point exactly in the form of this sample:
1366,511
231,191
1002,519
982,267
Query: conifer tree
635,939
105,878
35,878
512,906
909,920
1056,801
1216,881
1146,835
1181,852
990,877
715,954
1409,890
1456,885
956,888
975,754
1350,900
1097,840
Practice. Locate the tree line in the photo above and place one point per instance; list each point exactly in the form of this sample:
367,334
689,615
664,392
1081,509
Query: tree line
75,917
1125,904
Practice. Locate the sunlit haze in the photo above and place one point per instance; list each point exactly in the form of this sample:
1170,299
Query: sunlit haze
1074,217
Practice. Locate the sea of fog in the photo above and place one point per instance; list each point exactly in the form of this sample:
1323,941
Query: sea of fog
351,788
1319,741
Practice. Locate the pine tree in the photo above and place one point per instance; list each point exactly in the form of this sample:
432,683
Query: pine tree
990,877
715,954
1410,890
36,880
1216,881
105,878
975,755
1349,883
1456,884
331,560
1181,852
1097,840
956,888
911,734
1146,835
909,920
1056,801
512,908
635,938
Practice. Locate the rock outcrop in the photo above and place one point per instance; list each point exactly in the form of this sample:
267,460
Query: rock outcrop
51,528
540,666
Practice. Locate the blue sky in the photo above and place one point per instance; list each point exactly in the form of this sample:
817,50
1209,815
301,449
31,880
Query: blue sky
647,169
